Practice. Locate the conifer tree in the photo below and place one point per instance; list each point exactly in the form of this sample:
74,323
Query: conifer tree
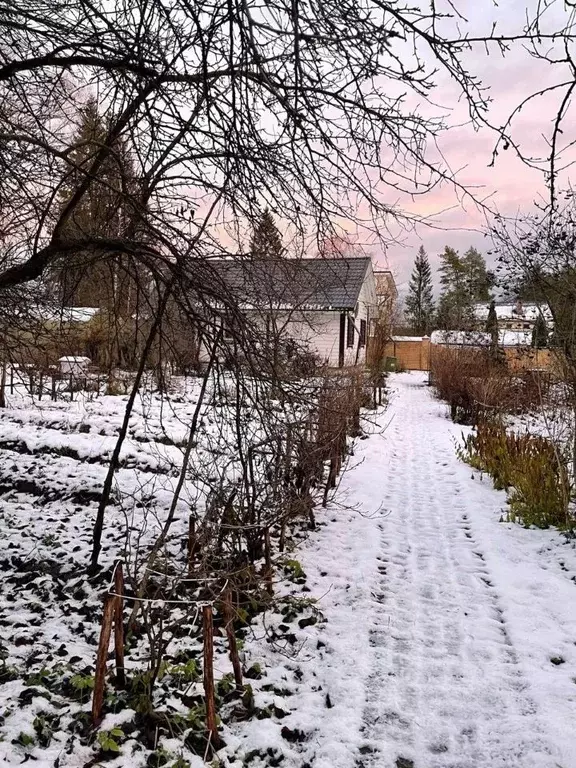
104,211
492,328
266,242
478,280
465,281
420,301
540,333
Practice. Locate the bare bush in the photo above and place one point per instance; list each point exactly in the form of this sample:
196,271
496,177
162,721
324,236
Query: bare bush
473,384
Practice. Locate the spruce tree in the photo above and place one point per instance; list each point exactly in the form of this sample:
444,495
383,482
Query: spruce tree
540,333
492,328
420,301
266,242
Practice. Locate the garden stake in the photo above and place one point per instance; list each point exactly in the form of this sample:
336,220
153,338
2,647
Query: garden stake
209,696
119,624
192,544
268,561
101,657
233,647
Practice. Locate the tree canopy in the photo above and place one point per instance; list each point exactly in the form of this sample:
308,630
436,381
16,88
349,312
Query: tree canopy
465,281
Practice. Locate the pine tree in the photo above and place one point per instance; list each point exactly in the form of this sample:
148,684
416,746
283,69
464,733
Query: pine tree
266,242
454,309
479,281
540,333
465,281
420,301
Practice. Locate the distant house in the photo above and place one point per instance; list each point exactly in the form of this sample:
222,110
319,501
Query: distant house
387,296
324,305
518,316
506,338
74,365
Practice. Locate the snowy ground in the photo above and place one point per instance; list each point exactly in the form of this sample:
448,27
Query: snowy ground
449,638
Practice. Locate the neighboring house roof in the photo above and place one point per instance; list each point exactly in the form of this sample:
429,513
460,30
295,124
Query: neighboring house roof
408,338
67,314
481,339
316,284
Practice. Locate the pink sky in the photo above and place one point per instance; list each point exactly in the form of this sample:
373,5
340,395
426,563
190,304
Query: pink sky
510,186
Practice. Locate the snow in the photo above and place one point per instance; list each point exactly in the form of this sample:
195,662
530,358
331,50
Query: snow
74,359
436,623
441,621
71,314
515,338
506,338
528,311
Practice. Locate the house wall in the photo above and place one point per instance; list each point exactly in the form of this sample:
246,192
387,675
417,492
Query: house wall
320,330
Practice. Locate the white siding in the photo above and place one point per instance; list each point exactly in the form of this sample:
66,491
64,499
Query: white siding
320,331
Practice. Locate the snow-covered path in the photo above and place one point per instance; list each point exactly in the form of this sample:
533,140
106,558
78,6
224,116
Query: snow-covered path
451,637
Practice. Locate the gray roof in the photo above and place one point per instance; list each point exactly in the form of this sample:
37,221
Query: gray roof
317,284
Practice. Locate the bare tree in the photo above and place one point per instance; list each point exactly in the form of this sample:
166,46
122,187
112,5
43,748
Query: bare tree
538,254
228,106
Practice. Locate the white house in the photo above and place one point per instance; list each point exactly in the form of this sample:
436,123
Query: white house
506,338
324,305
519,316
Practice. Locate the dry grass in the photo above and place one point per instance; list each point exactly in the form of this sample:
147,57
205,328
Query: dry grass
529,467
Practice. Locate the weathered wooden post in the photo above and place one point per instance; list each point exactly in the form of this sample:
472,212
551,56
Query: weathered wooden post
100,673
209,695
228,614
119,624
268,563
192,544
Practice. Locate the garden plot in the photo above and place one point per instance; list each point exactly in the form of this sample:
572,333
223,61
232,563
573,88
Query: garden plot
53,460
413,629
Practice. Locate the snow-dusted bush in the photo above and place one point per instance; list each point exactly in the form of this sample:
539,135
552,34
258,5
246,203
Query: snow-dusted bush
529,467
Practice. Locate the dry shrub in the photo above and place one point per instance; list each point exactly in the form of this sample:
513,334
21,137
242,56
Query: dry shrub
475,384
528,466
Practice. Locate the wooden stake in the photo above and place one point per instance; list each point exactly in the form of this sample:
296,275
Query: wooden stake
209,696
268,561
101,658
228,614
192,544
119,624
